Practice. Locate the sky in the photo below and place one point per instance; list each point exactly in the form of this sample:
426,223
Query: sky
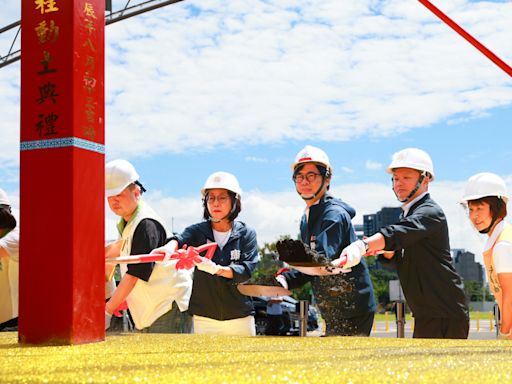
243,85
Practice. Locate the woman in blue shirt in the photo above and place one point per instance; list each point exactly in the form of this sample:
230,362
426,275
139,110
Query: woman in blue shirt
216,304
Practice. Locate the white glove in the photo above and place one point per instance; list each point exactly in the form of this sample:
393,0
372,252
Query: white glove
206,265
108,318
282,280
168,249
352,253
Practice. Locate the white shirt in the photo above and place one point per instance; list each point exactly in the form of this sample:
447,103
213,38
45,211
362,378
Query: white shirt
502,256
408,205
221,238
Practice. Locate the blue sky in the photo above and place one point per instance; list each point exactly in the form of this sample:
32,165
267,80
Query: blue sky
242,85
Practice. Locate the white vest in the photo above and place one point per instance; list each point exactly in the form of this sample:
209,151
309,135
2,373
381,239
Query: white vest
9,276
150,300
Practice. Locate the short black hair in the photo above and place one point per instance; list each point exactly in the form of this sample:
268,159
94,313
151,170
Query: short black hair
235,202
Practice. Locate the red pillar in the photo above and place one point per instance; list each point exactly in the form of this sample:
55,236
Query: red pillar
62,172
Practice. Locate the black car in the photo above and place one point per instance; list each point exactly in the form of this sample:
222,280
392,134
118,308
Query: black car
290,324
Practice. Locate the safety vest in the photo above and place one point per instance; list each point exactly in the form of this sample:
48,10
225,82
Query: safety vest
9,277
150,299
492,276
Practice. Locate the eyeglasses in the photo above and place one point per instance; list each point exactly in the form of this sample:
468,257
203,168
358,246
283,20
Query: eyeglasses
310,177
220,199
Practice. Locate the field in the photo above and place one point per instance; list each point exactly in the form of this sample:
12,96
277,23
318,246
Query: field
153,358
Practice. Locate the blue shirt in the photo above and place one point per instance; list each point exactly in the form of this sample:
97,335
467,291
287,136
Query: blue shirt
328,230
214,296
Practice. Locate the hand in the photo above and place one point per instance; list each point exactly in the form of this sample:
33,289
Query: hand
108,318
206,265
351,255
168,249
282,280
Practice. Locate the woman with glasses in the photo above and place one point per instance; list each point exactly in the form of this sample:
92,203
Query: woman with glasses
345,300
9,265
486,199
216,304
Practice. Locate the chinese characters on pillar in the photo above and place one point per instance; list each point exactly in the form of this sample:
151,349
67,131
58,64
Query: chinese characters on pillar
47,33
89,74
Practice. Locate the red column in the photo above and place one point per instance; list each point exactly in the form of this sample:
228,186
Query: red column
62,172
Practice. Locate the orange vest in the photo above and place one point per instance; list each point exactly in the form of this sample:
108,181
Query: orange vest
492,276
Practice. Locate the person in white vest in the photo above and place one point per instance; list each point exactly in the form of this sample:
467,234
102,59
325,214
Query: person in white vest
486,198
156,293
9,265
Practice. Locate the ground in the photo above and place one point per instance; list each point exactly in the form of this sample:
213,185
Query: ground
153,358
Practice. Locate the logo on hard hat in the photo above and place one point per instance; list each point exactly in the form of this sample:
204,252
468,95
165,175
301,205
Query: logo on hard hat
217,179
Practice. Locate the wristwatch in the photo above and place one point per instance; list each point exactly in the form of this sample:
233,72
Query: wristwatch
366,245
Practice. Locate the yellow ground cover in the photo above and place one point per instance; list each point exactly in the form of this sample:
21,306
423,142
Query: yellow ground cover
153,358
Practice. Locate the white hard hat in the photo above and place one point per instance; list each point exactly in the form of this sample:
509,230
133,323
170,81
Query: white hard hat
414,158
485,184
310,154
118,175
223,180
4,200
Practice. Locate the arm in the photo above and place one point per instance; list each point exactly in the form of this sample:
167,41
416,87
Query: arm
148,235
121,293
422,223
377,243
238,271
505,280
225,272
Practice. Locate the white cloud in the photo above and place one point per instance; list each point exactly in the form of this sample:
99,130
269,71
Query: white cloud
256,159
373,165
259,72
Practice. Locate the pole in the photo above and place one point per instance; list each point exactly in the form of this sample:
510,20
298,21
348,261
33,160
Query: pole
303,317
400,319
62,166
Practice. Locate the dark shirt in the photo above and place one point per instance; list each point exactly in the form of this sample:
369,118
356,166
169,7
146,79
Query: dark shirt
430,283
148,235
329,230
214,296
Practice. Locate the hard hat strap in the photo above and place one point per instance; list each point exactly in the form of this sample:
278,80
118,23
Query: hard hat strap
314,195
139,184
418,185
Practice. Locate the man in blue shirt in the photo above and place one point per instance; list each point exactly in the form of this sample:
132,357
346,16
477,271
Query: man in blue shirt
345,300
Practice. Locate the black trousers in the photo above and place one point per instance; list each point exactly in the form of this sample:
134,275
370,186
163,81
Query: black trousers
352,326
441,328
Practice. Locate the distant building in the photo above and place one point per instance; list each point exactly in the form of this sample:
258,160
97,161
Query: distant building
466,266
359,229
375,221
